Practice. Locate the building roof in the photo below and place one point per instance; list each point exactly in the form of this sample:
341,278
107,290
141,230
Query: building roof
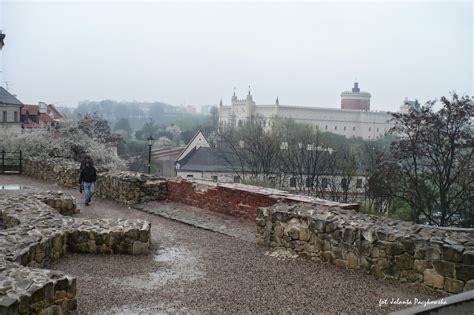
197,141
207,159
31,109
53,111
6,98
46,118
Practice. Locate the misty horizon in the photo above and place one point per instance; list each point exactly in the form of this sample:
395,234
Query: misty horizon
183,53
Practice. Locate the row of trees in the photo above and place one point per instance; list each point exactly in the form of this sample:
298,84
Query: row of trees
296,155
424,171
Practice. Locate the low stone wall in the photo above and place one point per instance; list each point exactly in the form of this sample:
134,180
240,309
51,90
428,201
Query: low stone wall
60,171
38,291
237,200
35,234
125,187
130,188
64,204
439,258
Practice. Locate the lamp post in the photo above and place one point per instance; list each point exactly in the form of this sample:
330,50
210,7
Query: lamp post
150,143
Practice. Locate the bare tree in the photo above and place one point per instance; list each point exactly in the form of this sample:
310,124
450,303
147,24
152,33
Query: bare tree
434,154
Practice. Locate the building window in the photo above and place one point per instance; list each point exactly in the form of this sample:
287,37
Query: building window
317,127
370,129
236,179
335,127
15,116
293,182
309,182
326,127
344,183
324,182
239,124
214,178
354,128
377,129
189,176
359,183
344,128
4,116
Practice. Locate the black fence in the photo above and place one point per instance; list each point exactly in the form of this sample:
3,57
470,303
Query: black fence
11,162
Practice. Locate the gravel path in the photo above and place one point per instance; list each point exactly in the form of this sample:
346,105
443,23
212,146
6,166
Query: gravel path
193,270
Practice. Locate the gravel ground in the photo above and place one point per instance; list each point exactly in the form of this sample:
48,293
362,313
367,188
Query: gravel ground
192,270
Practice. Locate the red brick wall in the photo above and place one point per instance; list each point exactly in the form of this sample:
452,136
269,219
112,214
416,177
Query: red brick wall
355,104
226,200
237,200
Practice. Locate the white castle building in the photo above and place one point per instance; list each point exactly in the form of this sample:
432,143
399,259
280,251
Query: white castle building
354,119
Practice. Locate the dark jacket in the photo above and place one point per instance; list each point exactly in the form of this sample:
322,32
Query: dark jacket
88,174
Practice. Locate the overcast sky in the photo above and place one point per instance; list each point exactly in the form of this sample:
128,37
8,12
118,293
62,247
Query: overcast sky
196,52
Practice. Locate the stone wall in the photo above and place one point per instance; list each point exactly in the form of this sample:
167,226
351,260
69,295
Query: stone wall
130,188
235,199
439,258
60,171
36,234
124,187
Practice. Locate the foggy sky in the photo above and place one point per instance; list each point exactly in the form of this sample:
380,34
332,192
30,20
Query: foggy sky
195,53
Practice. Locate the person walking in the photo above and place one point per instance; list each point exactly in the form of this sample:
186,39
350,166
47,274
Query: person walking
87,179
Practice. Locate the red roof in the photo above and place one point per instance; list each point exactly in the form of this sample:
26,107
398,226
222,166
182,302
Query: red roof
31,109
53,111
45,118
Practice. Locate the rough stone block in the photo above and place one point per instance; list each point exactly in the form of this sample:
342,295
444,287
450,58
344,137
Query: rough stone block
352,261
420,265
469,285
468,257
304,234
433,279
464,272
140,248
444,268
404,262
453,253
453,285
393,248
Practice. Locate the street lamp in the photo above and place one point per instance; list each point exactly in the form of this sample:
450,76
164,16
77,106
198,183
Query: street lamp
150,143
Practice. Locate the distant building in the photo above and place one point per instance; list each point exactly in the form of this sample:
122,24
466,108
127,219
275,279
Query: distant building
407,105
40,116
10,108
200,160
353,120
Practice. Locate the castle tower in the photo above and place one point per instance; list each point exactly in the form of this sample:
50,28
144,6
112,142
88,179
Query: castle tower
355,99
249,105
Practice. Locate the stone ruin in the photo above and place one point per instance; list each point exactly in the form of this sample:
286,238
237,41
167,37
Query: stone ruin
36,233
442,259
125,187
323,230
